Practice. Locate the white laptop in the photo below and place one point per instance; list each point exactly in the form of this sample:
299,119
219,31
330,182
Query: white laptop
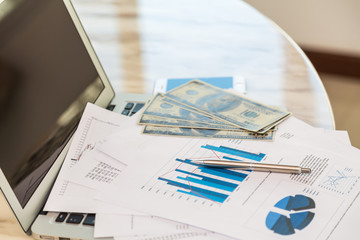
48,72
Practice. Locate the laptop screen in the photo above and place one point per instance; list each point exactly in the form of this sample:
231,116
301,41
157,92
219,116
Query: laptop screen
46,79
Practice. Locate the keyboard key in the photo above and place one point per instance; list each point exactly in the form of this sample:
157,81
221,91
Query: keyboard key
137,107
42,212
111,107
129,106
61,217
75,218
125,112
89,220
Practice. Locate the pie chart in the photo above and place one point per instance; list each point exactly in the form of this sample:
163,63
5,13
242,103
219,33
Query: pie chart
290,213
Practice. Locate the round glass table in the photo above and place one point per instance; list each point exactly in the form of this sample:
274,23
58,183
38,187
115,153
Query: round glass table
141,41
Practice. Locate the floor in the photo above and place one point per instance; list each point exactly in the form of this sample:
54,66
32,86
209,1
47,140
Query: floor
344,94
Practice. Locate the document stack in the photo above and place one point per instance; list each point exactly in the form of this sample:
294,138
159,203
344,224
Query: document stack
150,186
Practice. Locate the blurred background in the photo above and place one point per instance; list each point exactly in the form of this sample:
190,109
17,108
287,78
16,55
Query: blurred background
328,31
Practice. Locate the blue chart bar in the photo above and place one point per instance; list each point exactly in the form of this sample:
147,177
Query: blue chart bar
209,183
225,173
232,151
197,191
216,185
187,161
219,172
228,186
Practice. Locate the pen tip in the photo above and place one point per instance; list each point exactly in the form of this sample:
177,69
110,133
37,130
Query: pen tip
306,170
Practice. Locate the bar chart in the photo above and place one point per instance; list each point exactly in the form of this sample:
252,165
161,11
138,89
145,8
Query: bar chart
188,178
241,155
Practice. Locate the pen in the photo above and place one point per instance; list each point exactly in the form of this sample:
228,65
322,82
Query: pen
263,167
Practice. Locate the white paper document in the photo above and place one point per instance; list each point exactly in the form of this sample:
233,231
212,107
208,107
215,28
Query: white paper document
95,124
128,178
187,236
161,180
108,225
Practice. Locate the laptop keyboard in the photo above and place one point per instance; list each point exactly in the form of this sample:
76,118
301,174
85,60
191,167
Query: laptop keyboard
89,219
76,218
131,108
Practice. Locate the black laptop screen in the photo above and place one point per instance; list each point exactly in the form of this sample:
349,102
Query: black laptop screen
46,79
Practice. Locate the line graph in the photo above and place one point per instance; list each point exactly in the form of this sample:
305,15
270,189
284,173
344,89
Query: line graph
335,181
91,132
340,180
182,178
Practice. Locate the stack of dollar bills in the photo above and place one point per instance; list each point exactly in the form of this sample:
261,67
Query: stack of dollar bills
198,109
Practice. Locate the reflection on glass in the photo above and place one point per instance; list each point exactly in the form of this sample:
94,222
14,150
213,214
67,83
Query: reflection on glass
46,79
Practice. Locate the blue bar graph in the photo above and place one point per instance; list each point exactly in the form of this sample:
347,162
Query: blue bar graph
236,152
186,177
197,191
219,172
187,161
215,184
208,183
224,173
203,195
226,185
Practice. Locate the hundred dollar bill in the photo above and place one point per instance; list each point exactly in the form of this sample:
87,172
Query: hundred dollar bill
170,122
158,108
232,108
271,126
207,133
225,125
188,108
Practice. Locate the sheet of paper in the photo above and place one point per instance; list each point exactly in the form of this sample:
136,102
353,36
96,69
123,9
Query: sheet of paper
95,124
108,225
347,227
85,169
340,135
96,170
161,181
187,236
93,170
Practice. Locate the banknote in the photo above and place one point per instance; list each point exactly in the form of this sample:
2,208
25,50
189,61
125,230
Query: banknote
206,133
191,109
170,122
158,108
224,124
271,126
232,108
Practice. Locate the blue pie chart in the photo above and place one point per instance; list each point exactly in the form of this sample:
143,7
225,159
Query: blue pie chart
291,212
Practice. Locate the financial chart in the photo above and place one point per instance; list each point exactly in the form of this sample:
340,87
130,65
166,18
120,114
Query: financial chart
184,179
340,180
291,213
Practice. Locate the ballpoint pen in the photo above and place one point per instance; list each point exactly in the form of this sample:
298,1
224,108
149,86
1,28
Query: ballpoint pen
263,167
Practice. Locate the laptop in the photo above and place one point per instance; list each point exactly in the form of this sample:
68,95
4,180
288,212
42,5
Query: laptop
48,72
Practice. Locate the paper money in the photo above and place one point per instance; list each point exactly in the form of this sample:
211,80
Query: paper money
271,126
188,108
232,108
170,122
158,108
197,109
206,133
